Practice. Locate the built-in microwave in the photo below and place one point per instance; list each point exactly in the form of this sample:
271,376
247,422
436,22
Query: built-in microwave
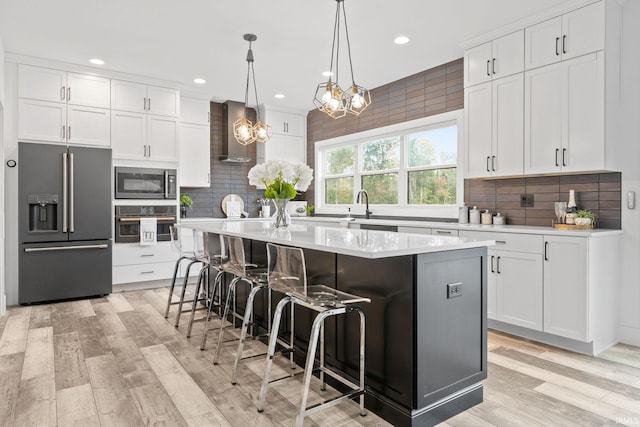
145,183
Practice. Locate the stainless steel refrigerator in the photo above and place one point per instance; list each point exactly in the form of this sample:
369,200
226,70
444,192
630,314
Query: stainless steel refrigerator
64,196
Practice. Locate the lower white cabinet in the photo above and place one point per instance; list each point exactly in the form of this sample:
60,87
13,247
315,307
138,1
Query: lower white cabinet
565,287
134,263
195,156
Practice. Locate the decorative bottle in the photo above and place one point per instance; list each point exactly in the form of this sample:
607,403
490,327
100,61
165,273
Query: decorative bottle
571,208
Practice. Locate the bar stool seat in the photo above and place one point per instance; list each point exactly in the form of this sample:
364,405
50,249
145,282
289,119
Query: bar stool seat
287,274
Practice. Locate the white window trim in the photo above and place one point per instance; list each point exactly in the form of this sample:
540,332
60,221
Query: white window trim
432,211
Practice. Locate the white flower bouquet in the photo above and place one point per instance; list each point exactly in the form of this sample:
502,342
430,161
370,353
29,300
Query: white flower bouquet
281,179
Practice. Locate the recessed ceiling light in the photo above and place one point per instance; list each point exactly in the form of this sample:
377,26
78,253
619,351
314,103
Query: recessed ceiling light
199,81
327,73
96,61
279,95
401,40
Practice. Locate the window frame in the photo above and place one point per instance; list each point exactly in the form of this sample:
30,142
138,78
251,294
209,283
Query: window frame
402,208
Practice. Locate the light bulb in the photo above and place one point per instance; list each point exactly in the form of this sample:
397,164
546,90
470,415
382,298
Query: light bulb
334,104
262,132
244,131
357,101
326,97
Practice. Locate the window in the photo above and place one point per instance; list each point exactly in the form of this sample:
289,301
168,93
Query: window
406,169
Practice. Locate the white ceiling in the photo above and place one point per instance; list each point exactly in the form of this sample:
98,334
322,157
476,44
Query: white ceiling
180,40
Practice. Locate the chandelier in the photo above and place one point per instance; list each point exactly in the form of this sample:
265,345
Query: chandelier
244,131
329,97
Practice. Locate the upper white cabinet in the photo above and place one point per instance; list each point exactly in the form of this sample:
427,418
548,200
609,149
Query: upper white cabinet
195,111
495,59
140,98
494,127
139,136
57,106
573,34
565,116
289,139
195,143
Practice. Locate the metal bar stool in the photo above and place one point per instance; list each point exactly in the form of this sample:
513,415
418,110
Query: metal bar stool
242,271
287,274
208,249
177,244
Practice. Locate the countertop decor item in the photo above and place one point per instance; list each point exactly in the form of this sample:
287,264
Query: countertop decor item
282,181
185,202
487,218
329,96
474,215
585,217
244,131
499,219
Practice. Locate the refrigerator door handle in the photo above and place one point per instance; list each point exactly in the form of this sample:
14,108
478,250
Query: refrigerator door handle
64,192
72,226
66,248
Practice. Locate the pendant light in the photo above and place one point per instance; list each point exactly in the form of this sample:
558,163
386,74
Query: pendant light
244,131
329,97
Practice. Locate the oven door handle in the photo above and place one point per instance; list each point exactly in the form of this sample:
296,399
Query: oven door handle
137,219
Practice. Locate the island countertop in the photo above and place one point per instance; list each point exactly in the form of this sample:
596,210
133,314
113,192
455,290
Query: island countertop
354,242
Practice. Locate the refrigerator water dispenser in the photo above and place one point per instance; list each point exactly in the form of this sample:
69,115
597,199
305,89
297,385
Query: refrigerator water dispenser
43,212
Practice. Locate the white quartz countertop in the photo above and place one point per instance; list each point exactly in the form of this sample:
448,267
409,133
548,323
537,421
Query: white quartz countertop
521,229
354,242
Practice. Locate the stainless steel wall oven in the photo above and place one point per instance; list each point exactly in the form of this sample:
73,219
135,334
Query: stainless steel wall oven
127,222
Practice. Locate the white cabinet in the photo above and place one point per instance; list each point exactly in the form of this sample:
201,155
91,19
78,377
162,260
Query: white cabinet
139,136
494,127
564,116
57,106
195,111
495,59
136,97
195,155
444,232
565,287
414,230
573,34
135,263
289,141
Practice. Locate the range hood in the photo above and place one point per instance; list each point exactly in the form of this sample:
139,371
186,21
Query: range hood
232,151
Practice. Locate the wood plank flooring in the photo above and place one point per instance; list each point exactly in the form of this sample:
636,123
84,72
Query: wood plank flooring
116,361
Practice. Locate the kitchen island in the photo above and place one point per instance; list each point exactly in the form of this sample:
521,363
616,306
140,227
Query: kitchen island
426,352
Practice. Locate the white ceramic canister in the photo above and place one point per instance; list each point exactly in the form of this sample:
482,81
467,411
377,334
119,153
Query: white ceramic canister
463,214
474,216
486,218
498,219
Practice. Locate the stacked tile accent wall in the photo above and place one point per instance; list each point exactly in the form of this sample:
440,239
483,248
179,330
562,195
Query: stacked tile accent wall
225,177
599,193
424,94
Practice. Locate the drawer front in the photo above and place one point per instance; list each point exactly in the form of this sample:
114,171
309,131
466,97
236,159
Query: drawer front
414,230
509,241
125,254
142,272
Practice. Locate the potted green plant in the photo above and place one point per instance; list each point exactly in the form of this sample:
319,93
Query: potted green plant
185,202
585,217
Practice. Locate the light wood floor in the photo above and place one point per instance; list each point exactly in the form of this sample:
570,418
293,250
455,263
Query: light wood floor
117,361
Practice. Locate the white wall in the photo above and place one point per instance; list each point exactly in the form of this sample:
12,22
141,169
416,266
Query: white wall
11,182
3,302
627,159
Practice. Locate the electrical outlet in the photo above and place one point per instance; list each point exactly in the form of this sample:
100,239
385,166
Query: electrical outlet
526,200
454,290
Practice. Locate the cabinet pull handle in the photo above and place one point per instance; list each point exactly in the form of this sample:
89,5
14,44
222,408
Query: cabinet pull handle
208,117
442,232
488,63
208,178
564,44
564,152
62,92
69,94
492,269
147,255
488,170
63,132
69,132
557,151
149,150
498,265
145,151
148,104
493,163
557,41
144,104
147,272
546,244
493,66
504,242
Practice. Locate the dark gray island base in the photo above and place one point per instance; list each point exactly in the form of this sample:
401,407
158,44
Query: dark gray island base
426,334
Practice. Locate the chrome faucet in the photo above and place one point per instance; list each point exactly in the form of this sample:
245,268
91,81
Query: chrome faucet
367,212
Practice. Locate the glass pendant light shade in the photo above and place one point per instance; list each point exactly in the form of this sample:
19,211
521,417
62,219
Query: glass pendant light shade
244,130
329,97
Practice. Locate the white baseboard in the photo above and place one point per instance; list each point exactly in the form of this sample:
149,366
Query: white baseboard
629,335
151,284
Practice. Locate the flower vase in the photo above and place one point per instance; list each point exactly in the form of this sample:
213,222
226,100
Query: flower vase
281,218
183,211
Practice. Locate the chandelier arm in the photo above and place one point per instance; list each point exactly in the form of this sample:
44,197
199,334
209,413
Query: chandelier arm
346,31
